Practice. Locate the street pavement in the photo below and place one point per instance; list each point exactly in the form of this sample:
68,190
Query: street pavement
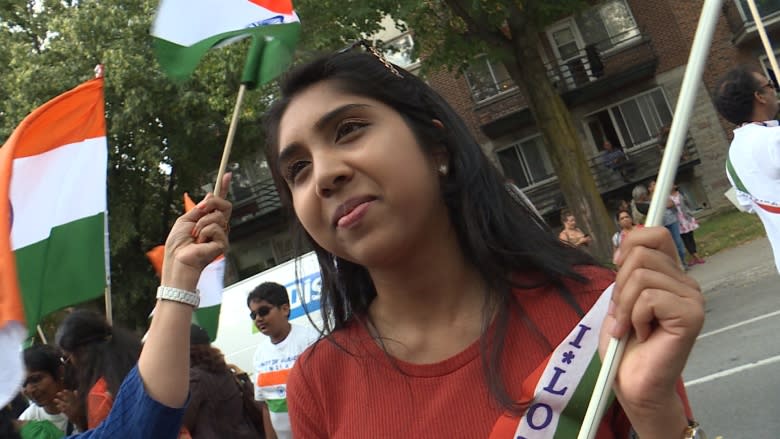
733,373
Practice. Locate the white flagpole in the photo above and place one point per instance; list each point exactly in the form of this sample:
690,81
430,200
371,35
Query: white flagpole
671,159
770,53
99,71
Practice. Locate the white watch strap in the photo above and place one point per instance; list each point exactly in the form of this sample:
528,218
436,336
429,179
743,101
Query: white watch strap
179,295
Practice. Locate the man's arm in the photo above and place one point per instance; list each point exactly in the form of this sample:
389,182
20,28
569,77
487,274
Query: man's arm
270,433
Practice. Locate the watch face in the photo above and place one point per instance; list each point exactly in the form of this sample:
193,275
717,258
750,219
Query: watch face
698,433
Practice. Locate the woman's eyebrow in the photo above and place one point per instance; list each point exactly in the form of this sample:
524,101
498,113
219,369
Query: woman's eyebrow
331,115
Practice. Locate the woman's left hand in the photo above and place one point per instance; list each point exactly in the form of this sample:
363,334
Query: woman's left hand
663,310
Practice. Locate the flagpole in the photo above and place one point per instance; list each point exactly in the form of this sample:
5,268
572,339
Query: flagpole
229,141
671,159
99,73
770,53
41,334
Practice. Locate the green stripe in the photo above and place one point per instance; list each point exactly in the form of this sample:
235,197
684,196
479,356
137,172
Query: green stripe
733,173
572,416
277,405
64,270
179,62
208,319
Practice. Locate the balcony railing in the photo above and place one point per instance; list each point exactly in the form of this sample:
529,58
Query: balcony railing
253,201
601,59
741,21
644,161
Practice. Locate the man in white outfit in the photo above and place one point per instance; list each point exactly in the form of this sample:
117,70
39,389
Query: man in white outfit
748,99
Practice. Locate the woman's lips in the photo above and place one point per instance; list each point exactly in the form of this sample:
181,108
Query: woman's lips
351,211
353,216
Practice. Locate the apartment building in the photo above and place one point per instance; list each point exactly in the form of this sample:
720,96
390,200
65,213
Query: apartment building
618,66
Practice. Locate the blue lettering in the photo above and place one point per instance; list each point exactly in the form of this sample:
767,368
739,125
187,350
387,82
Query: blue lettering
580,335
530,416
551,387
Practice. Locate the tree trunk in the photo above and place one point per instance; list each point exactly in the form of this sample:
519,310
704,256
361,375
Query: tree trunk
557,128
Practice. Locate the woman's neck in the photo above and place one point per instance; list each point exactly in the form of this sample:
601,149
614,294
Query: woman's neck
425,298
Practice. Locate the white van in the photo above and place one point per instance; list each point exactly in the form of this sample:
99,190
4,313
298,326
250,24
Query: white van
237,336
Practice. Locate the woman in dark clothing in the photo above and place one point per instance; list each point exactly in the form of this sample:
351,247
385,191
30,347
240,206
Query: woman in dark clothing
216,408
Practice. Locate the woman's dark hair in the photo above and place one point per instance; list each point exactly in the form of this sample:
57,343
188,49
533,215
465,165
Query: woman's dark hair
734,94
207,358
44,358
498,235
565,214
99,350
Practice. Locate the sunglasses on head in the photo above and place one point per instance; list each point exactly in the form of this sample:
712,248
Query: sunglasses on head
262,312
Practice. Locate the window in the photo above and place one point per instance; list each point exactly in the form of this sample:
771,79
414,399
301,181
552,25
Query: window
765,9
635,121
526,162
399,51
487,79
608,25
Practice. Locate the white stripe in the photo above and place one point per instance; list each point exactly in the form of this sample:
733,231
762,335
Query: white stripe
12,370
57,187
737,325
186,22
732,371
563,374
211,283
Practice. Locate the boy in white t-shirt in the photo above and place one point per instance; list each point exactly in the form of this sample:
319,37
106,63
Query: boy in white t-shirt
748,99
269,306
43,386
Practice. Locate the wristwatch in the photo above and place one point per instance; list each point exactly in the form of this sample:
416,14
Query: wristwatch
694,431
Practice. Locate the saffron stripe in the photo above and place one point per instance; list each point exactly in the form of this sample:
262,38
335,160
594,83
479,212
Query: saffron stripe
274,378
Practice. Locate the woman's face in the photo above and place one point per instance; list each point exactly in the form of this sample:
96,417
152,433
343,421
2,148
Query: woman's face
361,185
41,387
625,220
570,222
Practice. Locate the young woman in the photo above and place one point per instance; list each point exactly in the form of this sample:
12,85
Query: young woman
442,294
626,224
100,357
571,233
688,224
216,408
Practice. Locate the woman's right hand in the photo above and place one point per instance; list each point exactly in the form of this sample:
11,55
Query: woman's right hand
196,238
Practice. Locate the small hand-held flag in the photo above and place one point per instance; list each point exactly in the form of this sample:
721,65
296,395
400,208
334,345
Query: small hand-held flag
184,30
210,284
52,213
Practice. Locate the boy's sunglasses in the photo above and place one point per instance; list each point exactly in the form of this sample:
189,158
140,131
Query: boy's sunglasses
262,312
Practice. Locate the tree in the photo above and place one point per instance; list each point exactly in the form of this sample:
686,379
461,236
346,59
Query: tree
450,31
164,138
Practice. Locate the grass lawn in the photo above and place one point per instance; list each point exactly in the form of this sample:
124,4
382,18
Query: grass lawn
726,230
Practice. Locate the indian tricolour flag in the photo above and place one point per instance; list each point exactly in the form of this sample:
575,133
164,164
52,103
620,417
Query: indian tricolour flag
559,390
184,30
52,214
210,284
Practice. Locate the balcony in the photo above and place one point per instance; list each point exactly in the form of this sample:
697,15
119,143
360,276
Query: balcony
645,160
255,202
601,68
741,21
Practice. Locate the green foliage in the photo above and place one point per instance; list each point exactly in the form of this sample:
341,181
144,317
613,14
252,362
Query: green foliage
47,47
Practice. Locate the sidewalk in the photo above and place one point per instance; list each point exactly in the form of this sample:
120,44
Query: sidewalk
750,260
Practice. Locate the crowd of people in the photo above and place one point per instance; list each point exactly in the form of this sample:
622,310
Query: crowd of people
441,293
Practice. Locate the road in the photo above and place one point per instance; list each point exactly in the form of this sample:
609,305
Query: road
733,374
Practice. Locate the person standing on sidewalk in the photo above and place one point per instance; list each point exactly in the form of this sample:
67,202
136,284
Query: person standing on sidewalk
747,98
687,222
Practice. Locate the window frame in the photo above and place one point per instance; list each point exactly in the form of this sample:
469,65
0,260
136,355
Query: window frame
489,62
515,144
633,146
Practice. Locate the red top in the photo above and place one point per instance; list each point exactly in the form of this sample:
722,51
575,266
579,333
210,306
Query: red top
357,392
